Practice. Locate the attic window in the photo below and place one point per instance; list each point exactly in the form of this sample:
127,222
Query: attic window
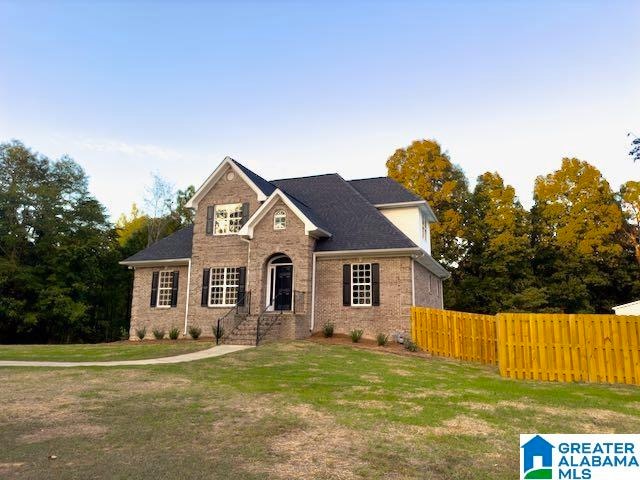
280,220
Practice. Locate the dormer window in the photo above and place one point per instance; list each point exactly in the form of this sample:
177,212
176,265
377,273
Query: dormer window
280,220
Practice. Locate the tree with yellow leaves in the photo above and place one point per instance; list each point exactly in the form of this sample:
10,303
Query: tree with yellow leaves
576,227
427,171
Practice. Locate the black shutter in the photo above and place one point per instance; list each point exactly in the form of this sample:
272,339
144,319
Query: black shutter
174,289
154,289
205,287
210,212
375,284
245,213
346,285
242,283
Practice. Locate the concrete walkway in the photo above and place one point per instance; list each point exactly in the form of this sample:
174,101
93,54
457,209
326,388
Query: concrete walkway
187,357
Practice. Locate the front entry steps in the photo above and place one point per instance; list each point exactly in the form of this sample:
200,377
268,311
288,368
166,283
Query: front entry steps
271,324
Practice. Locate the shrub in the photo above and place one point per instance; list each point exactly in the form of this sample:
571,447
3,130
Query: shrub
195,332
327,330
158,333
174,333
410,345
141,332
356,335
382,339
218,332
124,333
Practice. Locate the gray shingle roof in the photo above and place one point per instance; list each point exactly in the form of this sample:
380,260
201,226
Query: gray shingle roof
343,208
355,224
176,245
383,190
264,185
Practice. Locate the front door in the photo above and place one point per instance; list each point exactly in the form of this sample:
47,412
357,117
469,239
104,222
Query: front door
282,290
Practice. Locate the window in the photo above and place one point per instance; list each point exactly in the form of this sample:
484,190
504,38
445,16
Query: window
280,220
425,227
165,287
361,284
224,286
228,218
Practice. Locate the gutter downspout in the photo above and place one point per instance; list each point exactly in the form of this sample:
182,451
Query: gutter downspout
313,292
413,283
186,309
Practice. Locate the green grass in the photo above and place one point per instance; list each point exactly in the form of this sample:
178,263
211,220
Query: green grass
102,351
292,410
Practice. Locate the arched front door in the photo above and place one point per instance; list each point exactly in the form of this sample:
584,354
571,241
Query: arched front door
280,283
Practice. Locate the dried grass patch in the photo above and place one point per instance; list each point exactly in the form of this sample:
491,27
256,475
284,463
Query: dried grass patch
61,431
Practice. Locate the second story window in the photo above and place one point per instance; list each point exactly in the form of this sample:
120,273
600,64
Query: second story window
228,218
425,227
280,220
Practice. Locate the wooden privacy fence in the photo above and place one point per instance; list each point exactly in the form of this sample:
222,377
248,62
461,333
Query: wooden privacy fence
461,335
569,348
556,347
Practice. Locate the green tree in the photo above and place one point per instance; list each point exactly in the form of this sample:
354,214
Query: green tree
576,227
496,274
59,277
427,171
629,197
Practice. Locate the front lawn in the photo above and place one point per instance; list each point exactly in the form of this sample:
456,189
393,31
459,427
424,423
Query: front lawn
291,410
102,351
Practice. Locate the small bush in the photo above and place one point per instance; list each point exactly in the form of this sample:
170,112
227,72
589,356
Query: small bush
218,332
382,339
410,345
327,330
356,335
195,332
141,332
124,334
174,333
158,333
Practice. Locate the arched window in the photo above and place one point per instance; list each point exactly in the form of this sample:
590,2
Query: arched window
280,220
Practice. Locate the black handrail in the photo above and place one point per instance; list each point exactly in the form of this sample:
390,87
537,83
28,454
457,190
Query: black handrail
244,300
261,315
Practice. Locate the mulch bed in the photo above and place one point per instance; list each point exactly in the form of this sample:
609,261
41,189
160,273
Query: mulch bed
367,344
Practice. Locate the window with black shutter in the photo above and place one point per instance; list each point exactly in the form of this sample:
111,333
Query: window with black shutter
174,289
205,287
210,212
154,289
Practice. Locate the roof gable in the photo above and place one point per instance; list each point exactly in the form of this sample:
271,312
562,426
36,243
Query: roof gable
258,184
312,225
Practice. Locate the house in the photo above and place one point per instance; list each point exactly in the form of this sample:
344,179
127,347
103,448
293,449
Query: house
632,308
282,258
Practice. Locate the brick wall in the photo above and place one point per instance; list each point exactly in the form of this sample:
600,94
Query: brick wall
142,315
428,287
216,250
292,242
392,315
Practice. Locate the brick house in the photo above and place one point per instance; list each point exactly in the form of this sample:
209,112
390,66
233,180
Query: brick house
280,259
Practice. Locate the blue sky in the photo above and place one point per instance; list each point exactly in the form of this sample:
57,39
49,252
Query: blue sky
295,88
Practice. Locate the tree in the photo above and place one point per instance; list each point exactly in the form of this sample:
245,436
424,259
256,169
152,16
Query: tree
635,148
59,277
428,172
629,197
159,204
576,226
496,274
